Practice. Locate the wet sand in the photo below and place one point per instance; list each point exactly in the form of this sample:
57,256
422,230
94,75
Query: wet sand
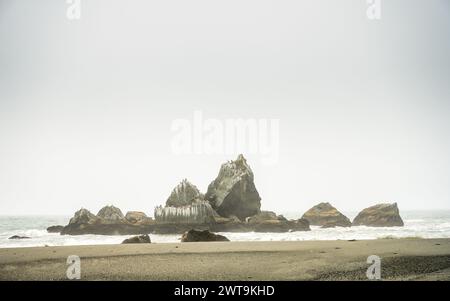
401,259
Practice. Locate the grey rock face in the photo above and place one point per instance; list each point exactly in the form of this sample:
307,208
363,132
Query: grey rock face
111,214
184,194
325,215
233,192
141,239
199,235
381,215
83,216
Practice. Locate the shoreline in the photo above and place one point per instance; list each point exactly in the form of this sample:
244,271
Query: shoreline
402,259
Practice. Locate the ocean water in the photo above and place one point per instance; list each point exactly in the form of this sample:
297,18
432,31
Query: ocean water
424,224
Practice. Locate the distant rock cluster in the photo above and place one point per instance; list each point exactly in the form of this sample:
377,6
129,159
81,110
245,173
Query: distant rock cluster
109,215
231,203
109,221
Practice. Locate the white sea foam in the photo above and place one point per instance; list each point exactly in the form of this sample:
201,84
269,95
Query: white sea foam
417,224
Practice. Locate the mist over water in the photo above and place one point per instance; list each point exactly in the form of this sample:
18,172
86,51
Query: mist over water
345,108
423,224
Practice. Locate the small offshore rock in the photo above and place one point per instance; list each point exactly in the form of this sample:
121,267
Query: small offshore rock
141,239
194,235
19,237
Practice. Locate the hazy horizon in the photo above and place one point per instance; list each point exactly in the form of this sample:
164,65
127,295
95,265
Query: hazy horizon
87,106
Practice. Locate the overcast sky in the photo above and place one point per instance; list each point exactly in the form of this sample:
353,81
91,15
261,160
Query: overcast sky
86,106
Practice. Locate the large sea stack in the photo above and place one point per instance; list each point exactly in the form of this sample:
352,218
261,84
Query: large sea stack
233,192
381,215
325,215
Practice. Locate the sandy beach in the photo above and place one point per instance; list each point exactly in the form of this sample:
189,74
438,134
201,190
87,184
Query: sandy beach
402,259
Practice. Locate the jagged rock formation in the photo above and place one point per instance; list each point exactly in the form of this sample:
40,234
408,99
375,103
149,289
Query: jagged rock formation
111,214
233,192
199,212
138,217
381,215
55,229
325,215
83,216
141,239
170,220
184,194
194,235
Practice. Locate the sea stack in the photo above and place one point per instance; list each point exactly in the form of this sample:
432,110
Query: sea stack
183,194
381,215
325,215
233,192
185,205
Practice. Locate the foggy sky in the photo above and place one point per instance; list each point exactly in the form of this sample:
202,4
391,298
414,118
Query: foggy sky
86,106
